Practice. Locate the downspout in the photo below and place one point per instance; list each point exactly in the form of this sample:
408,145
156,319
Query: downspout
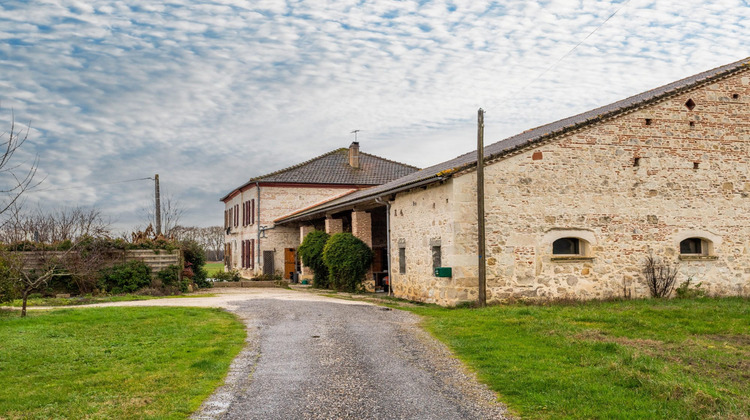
388,242
257,186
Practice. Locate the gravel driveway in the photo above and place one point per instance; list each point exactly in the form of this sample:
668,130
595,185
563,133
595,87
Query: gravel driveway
314,357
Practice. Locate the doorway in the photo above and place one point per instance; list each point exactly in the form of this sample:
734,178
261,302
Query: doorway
268,268
290,263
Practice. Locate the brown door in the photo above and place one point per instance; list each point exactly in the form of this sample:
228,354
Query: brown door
289,262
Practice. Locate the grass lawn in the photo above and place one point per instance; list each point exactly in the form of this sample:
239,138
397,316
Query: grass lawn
113,362
213,267
676,359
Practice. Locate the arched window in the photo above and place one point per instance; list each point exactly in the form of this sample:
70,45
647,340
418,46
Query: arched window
569,246
695,246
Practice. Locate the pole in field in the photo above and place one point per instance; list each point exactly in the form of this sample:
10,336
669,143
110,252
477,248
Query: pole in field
480,210
157,214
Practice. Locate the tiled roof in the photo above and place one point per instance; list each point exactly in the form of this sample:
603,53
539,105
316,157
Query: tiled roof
536,135
333,168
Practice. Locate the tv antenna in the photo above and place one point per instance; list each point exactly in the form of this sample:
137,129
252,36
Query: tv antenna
355,134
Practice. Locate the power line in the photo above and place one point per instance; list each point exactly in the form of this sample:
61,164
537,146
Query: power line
89,186
569,52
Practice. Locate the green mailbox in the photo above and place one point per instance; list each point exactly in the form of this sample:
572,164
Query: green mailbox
443,272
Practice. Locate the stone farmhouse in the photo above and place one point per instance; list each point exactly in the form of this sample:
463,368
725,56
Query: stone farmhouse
573,208
254,244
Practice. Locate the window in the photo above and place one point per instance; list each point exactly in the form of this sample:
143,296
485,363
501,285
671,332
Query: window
402,260
567,246
694,246
436,258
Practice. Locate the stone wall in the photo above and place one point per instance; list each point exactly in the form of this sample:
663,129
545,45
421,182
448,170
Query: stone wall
419,219
634,185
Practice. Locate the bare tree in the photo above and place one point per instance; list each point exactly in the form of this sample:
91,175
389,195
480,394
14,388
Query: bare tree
215,242
21,279
15,177
171,213
53,226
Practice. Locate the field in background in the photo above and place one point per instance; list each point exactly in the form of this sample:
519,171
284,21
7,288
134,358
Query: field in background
630,359
212,267
114,362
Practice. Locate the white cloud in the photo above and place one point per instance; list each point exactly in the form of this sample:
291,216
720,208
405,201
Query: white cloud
208,95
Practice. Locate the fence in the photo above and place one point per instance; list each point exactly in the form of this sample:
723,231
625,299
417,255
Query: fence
156,259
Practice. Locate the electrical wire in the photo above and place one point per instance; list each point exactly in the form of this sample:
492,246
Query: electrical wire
89,186
559,60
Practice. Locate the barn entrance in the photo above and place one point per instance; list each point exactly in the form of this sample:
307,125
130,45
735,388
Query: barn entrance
290,262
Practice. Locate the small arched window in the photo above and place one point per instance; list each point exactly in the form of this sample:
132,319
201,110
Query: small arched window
568,246
695,246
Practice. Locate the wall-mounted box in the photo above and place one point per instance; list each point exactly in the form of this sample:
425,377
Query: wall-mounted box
443,272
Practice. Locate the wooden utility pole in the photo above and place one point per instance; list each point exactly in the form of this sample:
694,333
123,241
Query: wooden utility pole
158,205
480,210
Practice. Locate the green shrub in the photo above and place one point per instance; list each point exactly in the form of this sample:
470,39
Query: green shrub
684,291
233,275
169,276
125,278
268,277
195,259
9,285
348,259
311,252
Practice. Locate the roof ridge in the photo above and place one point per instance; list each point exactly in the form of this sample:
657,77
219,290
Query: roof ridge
289,168
389,160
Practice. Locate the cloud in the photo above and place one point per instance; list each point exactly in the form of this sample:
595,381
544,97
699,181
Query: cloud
209,95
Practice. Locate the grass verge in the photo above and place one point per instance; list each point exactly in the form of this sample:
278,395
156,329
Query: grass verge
86,300
631,359
114,362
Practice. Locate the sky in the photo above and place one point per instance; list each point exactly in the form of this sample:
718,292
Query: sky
209,94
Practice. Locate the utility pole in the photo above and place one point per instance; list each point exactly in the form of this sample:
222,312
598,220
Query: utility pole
480,210
158,205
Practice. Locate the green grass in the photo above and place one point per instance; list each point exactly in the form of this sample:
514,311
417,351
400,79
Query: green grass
86,300
686,359
213,267
113,362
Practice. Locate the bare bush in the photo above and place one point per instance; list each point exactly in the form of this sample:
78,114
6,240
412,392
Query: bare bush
660,276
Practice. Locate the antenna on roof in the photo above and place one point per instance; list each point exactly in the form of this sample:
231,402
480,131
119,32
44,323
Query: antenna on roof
355,134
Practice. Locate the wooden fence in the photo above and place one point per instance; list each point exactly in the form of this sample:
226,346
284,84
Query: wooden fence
156,259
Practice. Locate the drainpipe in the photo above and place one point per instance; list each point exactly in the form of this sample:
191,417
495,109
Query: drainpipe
388,242
257,186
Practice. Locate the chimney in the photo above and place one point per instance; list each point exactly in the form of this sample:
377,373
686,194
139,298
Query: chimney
354,154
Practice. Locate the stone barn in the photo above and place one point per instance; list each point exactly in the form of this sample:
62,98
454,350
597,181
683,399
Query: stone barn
573,208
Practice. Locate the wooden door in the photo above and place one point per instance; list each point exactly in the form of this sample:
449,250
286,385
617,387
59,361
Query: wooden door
290,264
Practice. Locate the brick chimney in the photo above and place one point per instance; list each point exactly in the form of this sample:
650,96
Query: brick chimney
354,154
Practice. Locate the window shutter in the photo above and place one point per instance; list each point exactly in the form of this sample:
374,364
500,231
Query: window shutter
243,213
252,204
243,254
252,253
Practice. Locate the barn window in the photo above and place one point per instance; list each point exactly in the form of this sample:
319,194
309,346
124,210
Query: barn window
436,257
402,260
695,246
567,246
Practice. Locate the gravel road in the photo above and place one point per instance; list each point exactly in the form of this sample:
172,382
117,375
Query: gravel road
328,360
315,357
